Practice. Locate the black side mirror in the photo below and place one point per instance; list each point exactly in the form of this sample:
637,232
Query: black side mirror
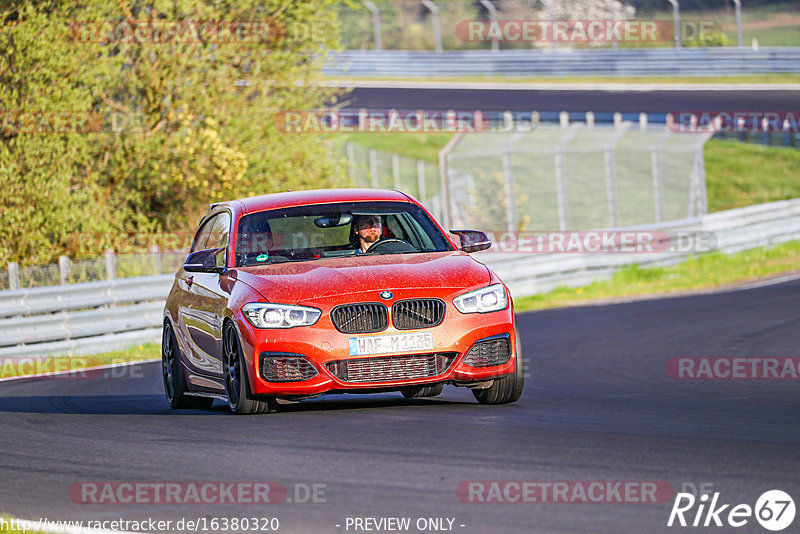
472,240
204,261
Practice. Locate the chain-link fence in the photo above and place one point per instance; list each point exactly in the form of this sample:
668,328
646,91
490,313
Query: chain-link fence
109,267
443,25
535,176
548,177
369,167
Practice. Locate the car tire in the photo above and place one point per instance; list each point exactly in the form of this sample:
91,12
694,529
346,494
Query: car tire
509,388
172,371
415,392
237,383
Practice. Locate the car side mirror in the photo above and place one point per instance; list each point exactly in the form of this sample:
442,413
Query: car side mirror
204,261
472,240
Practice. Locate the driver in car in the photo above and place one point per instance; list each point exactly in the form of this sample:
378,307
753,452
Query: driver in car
368,229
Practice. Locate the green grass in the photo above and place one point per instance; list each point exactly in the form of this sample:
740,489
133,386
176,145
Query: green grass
11,367
740,174
775,36
750,78
705,271
424,146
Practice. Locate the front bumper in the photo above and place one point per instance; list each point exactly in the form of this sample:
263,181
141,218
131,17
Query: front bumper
321,345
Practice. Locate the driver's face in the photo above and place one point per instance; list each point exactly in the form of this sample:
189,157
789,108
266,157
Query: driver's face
369,229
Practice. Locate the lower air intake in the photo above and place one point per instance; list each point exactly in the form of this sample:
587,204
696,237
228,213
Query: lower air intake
491,351
286,368
391,368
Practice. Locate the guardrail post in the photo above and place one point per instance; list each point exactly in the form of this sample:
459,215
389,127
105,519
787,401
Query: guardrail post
396,171
590,119
111,265
611,176
676,21
437,27
63,269
611,5
617,119
376,23
548,5
561,176
512,224
655,164
13,275
421,180
445,206
373,167
508,121
563,119
493,18
643,122
700,172
737,4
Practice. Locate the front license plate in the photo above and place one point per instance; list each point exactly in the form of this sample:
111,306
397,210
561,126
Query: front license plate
391,344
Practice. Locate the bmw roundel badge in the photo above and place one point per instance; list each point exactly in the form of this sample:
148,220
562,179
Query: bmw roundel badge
386,295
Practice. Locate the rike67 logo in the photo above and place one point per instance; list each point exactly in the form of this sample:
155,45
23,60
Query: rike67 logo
774,510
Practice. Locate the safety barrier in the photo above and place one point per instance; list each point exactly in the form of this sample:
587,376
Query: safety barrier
101,316
716,61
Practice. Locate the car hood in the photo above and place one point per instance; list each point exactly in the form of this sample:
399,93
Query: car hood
296,282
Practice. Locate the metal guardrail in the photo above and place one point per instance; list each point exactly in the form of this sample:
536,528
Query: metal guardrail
625,62
82,318
735,230
101,316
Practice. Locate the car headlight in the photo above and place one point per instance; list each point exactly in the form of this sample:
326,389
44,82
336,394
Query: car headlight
265,315
483,300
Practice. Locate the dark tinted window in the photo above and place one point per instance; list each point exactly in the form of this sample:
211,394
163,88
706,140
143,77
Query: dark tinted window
326,230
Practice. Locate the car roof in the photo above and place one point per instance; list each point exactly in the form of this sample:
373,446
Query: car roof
317,196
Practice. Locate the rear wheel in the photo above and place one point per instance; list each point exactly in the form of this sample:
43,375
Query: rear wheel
172,371
509,388
414,392
237,385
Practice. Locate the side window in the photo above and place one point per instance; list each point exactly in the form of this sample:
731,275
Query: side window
202,235
214,234
220,228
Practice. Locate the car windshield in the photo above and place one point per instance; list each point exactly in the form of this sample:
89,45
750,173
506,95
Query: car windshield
334,230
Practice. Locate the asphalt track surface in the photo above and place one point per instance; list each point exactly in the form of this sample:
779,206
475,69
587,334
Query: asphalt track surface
598,406
624,101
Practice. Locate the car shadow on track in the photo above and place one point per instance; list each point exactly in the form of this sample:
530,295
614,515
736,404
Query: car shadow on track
157,405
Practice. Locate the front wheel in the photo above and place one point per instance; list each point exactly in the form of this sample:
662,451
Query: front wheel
237,385
174,379
509,388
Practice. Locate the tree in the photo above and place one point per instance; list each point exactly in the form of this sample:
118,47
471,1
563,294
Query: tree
180,115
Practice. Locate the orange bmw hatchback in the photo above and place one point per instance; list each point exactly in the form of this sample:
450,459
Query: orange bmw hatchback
294,295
